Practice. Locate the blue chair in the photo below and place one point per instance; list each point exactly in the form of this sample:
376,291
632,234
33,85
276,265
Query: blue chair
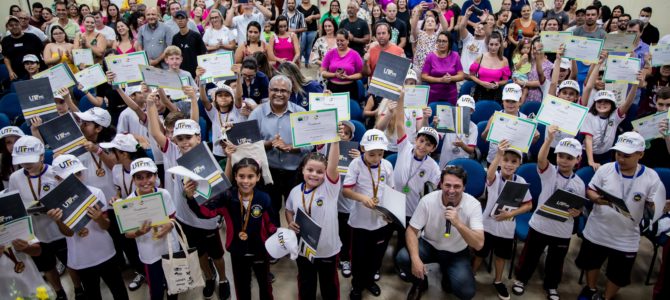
530,108
466,88
476,175
664,174
392,158
204,130
361,91
4,120
9,105
484,109
482,144
535,147
433,108
355,110
360,130
529,172
85,104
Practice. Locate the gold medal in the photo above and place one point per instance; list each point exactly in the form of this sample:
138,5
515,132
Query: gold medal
243,235
19,267
100,172
375,200
83,233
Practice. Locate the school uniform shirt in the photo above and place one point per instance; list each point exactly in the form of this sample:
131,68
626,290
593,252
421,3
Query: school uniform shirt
95,248
608,227
129,122
505,228
344,204
24,282
602,130
323,210
218,118
552,180
149,249
413,173
258,229
493,147
359,179
429,217
105,182
450,152
46,229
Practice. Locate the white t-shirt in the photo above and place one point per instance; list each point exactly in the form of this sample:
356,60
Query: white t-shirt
603,131
105,182
214,36
218,118
107,32
344,205
505,228
96,247
46,229
493,147
609,228
129,122
472,48
450,152
149,249
429,217
552,180
24,282
413,174
323,211
359,179
241,22
122,181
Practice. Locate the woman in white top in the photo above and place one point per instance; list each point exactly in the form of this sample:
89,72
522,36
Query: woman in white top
217,37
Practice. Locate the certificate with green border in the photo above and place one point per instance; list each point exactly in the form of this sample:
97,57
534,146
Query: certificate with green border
586,50
218,66
622,69
60,76
620,42
416,96
660,55
568,116
131,213
552,40
647,127
126,67
339,101
314,127
91,77
518,131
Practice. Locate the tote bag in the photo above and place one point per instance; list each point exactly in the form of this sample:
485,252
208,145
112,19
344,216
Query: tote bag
182,269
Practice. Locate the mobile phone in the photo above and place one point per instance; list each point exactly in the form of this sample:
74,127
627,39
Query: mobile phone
477,10
431,5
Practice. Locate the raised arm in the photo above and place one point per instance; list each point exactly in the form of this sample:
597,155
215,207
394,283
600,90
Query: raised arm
132,104
556,71
625,106
542,156
333,159
399,116
153,121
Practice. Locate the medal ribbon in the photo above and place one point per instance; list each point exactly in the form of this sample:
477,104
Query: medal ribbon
248,213
375,188
308,209
98,163
406,186
36,196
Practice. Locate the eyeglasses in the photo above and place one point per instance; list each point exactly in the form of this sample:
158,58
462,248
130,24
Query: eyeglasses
443,41
280,91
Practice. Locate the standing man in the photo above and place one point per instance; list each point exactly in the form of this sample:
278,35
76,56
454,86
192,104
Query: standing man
447,211
190,42
558,13
36,19
623,22
382,35
398,27
106,31
359,33
240,22
474,44
24,20
153,37
71,27
16,45
650,34
296,20
590,29
312,16
173,8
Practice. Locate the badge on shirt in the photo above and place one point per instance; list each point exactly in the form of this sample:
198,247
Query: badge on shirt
256,211
319,202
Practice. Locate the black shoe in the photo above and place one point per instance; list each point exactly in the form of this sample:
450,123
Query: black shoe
446,285
415,292
375,290
503,294
137,282
355,294
403,276
208,291
377,275
224,290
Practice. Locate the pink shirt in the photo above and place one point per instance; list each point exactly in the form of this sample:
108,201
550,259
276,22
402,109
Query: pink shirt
283,48
489,75
351,62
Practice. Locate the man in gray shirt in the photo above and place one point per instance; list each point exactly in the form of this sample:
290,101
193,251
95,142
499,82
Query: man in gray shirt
590,29
153,38
173,8
558,13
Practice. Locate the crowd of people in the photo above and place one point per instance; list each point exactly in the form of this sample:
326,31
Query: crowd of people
283,50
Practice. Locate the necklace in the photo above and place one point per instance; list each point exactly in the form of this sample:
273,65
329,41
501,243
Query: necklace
245,222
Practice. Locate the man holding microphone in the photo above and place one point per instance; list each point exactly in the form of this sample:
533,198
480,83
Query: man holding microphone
452,222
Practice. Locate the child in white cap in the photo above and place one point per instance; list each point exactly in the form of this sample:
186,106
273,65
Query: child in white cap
563,76
8,136
95,124
459,145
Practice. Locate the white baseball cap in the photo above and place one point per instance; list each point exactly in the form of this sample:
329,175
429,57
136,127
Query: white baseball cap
515,151
123,142
569,146
605,95
143,164
511,91
10,131
374,139
569,84
186,127
96,115
31,58
27,149
283,242
133,89
221,87
431,132
411,75
67,164
565,63
466,101
349,125
629,143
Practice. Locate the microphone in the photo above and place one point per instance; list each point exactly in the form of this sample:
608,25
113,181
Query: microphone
447,229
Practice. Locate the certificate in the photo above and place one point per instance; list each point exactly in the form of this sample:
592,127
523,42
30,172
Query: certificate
314,127
217,66
126,67
389,76
619,89
15,224
552,40
518,131
416,96
660,55
91,77
36,98
131,213
622,69
59,76
160,78
647,127
82,56
445,118
566,115
339,101
619,42
586,50
392,206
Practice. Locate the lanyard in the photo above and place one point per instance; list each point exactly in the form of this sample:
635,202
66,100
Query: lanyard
624,192
558,175
36,196
375,188
128,189
226,120
405,188
308,209
19,266
99,171
245,216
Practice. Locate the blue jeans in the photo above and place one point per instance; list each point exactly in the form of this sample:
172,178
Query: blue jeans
306,43
454,266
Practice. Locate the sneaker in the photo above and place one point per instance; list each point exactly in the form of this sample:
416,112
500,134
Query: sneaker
136,283
518,288
224,290
587,293
208,291
403,276
355,294
346,269
552,294
377,275
60,267
271,277
375,290
503,294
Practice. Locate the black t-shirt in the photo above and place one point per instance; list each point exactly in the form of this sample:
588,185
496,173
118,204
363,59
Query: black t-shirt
650,35
115,104
191,46
16,48
398,30
313,10
358,28
404,16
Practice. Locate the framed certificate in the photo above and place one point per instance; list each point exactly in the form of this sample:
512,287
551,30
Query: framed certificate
568,116
82,56
660,55
218,66
59,76
15,224
314,127
339,101
647,127
622,69
416,95
160,78
552,40
126,67
91,77
518,131
586,50
131,213
619,42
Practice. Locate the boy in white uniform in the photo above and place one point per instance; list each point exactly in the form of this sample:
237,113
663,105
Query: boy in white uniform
459,146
